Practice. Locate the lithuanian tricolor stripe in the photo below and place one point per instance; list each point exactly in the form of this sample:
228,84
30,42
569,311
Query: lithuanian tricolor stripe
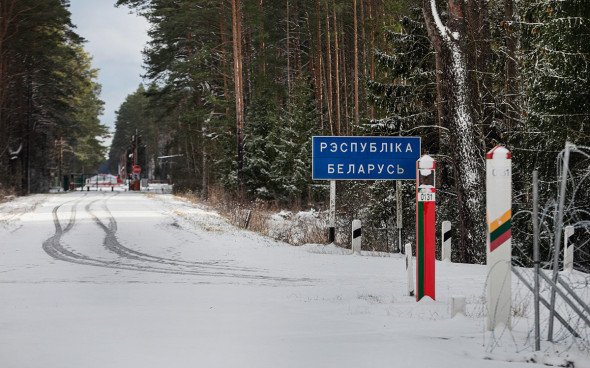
500,230
500,220
420,252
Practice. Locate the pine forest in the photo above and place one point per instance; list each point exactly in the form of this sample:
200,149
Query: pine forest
234,90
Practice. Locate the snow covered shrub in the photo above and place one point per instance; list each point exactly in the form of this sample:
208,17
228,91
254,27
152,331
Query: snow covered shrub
297,228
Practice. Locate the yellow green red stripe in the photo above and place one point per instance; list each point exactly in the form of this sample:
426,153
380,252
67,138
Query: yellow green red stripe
500,220
500,230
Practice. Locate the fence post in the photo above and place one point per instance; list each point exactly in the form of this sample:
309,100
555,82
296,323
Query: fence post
558,224
536,258
357,236
499,236
568,249
446,241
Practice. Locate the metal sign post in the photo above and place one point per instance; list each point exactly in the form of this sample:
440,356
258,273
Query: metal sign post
425,227
536,262
332,218
499,236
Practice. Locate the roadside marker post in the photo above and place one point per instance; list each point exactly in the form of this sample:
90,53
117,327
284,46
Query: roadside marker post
425,227
446,241
357,236
568,249
499,237
409,269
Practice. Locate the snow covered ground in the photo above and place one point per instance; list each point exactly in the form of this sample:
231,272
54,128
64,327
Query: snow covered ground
120,279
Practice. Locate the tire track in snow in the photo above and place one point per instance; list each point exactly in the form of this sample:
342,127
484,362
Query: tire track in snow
111,242
54,248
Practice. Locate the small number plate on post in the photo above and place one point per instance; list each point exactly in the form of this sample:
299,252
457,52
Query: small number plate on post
426,197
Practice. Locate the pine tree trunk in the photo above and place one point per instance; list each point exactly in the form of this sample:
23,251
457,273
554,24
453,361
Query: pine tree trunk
346,122
466,145
224,65
372,52
337,70
320,68
364,60
238,83
356,67
329,73
510,87
287,41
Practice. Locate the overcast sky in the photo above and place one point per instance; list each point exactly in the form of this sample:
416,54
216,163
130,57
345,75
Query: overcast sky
115,39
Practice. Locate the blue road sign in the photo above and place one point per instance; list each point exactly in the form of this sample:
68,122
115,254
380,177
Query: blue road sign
364,158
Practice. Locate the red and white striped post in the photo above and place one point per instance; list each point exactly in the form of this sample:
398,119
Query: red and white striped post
499,236
425,227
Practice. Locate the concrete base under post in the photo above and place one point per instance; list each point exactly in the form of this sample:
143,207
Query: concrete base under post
458,305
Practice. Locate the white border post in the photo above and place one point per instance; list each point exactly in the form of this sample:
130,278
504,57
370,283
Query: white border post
446,241
568,249
499,237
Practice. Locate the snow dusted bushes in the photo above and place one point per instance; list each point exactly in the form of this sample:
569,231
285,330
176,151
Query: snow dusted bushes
304,227
292,226
6,194
371,202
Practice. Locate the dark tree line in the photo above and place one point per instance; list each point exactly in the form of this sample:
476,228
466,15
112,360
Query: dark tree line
49,104
238,87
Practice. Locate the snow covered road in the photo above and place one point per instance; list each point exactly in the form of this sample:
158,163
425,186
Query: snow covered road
105,279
